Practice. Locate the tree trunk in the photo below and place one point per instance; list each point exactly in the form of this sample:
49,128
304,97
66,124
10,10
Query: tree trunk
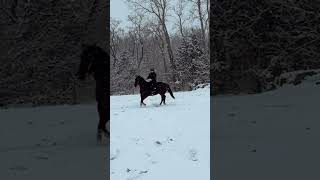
180,26
170,52
203,32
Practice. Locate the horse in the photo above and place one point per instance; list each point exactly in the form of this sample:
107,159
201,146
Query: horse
94,60
145,90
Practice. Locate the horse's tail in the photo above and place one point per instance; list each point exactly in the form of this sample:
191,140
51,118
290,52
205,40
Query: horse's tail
169,90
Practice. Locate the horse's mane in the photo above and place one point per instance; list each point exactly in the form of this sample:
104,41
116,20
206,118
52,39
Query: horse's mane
98,52
138,76
86,49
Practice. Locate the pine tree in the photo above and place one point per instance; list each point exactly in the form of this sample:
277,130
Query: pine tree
123,74
192,63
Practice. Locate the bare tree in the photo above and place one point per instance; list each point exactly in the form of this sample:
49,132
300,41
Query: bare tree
160,41
114,39
202,16
137,21
179,11
159,9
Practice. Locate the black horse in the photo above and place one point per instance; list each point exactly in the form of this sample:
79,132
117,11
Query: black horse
94,60
146,90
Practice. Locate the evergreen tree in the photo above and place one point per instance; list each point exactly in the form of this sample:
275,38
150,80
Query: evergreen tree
192,63
123,74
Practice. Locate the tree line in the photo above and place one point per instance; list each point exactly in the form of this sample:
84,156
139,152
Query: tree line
180,57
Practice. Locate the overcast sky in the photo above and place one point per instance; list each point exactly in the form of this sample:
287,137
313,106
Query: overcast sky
119,10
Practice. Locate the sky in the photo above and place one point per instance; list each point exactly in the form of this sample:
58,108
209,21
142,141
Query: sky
119,10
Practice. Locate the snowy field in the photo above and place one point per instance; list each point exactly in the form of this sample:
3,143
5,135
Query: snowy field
51,143
273,135
155,142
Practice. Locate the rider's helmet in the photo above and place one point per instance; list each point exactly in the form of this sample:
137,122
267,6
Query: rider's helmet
152,69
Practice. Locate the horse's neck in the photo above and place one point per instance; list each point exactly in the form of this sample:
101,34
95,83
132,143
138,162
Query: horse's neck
143,82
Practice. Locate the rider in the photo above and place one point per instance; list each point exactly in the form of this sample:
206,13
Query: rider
153,77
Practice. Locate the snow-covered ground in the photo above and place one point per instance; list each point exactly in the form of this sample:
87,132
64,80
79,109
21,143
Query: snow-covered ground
273,135
161,142
51,143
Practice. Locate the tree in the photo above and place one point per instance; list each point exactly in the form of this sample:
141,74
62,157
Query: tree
115,32
203,16
192,63
139,30
122,76
179,11
159,9
159,39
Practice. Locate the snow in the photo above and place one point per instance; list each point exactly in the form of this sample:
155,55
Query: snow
273,135
161,142
51,143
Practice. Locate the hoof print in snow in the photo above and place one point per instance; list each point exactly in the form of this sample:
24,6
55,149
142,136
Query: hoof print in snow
41,157
18,168
44,140
231,114
158,143
308,129
169,140
154,162
318,83
193,155
252,148
253,122
148,155
30,122
143,172
46,143
114,156
135,174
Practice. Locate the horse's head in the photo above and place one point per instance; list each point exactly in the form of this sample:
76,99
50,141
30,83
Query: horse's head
87,57
138,80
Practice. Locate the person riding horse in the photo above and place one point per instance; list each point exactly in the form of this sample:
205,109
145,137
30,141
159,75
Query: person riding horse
152,77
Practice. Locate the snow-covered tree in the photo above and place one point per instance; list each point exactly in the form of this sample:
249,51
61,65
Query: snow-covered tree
192,63
122,76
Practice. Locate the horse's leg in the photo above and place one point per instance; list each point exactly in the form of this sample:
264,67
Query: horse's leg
142,98
102,116
102,106
164,99
161,99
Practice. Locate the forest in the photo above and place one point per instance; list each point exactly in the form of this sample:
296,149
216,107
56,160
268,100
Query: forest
248,46
40,46
180,55
258,45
